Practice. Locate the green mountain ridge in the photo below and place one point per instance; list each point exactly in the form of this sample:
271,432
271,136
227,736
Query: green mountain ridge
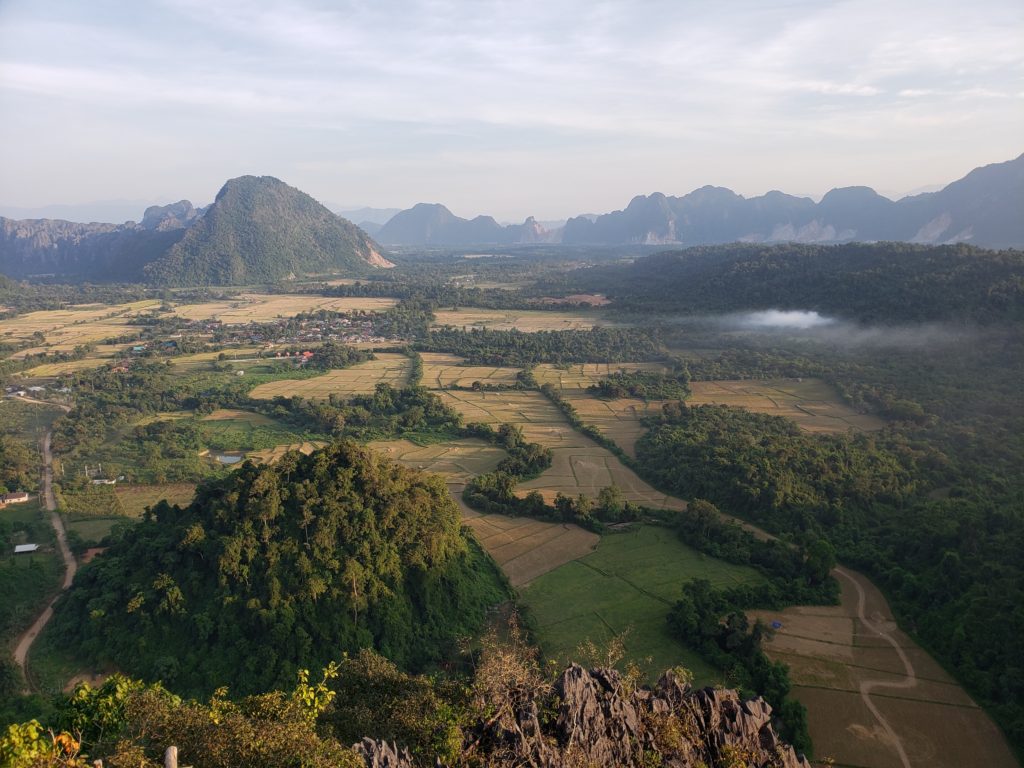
259,229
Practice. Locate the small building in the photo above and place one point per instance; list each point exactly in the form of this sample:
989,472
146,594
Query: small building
21,549
18,497
103,481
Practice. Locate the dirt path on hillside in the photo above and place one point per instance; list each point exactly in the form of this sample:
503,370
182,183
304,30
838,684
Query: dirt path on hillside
70,566
866,686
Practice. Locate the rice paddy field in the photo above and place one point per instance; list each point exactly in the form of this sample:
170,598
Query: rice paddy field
457,460
526,549
626,585
834,651
527,320
579,464
270,455
579,376
64,329
621,420
388,367
441,370
100,355
811,403
258,307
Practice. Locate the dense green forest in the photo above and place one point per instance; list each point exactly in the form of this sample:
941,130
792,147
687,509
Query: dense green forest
649,385
598,345
280,567
866,282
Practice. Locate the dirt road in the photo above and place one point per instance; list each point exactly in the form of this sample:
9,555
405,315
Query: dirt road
866,686
50,504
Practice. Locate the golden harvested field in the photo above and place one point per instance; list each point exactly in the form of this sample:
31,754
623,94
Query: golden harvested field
135,498
523,320
836,653
232,414
457,460
579,376
64,329
270,455
101,355
258,307
618,420
442,370
389,367
525,548
579,464
811,403
66,338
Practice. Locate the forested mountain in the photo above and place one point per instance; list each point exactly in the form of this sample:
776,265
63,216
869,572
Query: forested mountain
433,224
281,567
258,229
983,208
868,282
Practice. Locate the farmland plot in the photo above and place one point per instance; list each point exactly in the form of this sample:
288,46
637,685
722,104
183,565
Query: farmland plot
579,464
527,320
442,370
388,367
811,403
579,376
457,460
835,653
258,307
627,585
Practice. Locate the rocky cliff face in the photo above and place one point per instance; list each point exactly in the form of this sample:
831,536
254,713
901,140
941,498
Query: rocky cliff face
589,718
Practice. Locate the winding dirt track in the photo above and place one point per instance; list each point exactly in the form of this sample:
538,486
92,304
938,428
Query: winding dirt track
50,503
866,686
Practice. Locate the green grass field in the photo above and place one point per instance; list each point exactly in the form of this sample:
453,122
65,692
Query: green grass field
249,432
26,580
94,529
627,584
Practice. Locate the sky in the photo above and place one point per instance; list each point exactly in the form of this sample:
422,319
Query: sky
503,107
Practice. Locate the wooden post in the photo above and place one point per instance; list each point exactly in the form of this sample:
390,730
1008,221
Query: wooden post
171,757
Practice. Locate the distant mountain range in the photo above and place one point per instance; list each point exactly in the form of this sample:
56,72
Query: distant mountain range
984,208
258,229
433,224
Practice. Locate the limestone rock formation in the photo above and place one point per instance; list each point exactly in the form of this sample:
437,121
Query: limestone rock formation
592,718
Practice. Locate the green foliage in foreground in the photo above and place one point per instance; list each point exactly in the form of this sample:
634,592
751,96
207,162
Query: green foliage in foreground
510,712
278,567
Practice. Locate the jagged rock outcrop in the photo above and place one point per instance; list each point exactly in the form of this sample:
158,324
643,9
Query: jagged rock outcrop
593,718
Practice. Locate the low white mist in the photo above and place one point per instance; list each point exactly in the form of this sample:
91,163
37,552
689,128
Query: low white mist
777,318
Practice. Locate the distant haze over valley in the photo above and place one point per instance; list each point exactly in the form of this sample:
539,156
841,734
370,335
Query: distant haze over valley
259,229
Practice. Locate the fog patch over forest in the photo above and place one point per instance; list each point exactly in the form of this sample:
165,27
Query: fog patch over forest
776,325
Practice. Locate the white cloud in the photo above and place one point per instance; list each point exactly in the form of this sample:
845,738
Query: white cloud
573,85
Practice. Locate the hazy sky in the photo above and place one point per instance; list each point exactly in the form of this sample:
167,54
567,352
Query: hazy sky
509,108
